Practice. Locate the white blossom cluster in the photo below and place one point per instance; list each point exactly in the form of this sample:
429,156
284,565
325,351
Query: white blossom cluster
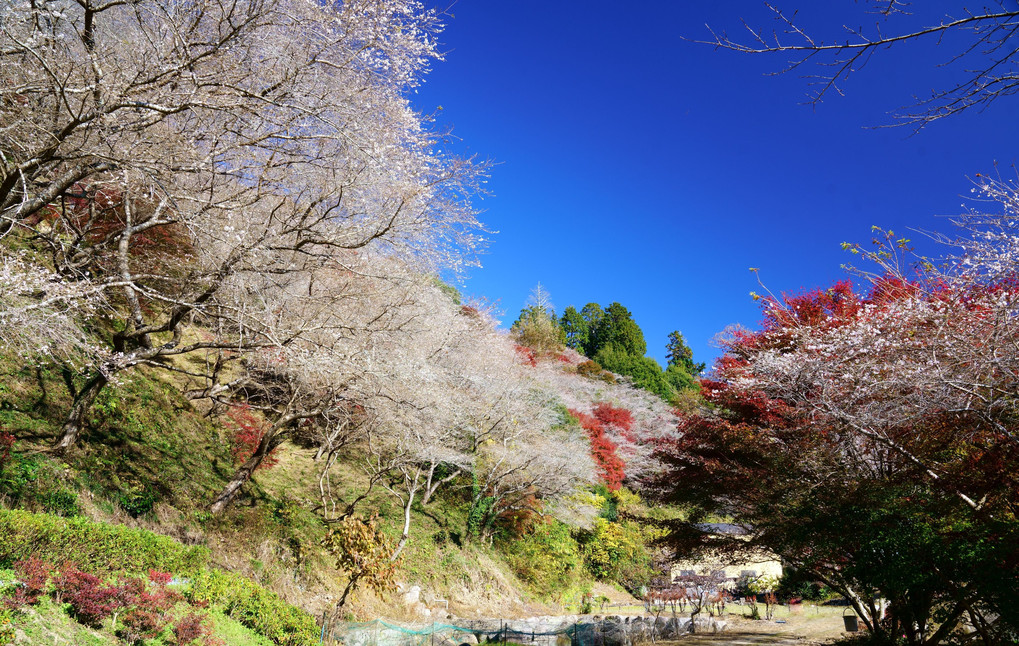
191,163
653,419
41,314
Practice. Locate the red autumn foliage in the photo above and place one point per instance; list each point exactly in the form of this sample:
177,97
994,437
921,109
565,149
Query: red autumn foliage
90,599
875,427
145,605
603,450
750,407
160,578
33,574
527,355
248,432
192,627
520,521
99,215
815,307
138,624
148,607
6,444
619,418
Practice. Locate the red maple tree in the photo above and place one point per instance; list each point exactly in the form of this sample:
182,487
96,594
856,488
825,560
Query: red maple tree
247,435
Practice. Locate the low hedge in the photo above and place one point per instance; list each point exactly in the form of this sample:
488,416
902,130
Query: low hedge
104,549
94,547
254,606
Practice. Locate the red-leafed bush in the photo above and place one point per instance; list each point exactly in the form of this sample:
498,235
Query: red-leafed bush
248,432
147,606
6,444
619,418
527,355
603,450
129,590
160,578
33,574
91,600
138,624
193,628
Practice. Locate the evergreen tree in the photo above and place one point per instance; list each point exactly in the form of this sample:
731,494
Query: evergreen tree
593,314
645,372
679,354
575,328
617,328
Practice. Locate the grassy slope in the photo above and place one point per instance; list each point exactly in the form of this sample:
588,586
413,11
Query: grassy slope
49,623
151,459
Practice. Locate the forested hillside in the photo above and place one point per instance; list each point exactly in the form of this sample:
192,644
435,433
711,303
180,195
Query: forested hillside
222,229
241,394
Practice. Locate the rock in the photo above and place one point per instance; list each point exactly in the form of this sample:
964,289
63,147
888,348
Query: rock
466,638
412,596
701,625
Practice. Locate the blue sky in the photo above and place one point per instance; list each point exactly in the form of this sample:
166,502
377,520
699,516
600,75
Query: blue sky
638,167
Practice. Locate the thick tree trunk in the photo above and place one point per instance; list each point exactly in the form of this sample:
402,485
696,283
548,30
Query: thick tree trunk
75,420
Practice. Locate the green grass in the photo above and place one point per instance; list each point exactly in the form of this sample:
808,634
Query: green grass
143,443
49,623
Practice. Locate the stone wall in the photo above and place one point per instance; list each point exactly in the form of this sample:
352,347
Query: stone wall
569,630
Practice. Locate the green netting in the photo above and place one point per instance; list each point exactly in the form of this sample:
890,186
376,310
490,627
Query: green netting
383,633
433,628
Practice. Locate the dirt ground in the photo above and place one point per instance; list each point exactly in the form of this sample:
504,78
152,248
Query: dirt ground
798,626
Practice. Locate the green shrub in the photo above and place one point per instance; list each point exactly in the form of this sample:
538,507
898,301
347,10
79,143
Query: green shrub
96,547
61,502
6,625
254,607
548,559
137,501
19,477
618,551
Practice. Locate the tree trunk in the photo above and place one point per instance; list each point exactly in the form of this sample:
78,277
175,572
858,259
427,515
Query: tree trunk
406,529
412,489
431,486
270,440
75,420
351,584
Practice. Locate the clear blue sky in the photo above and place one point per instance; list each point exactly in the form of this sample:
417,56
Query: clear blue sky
635,166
